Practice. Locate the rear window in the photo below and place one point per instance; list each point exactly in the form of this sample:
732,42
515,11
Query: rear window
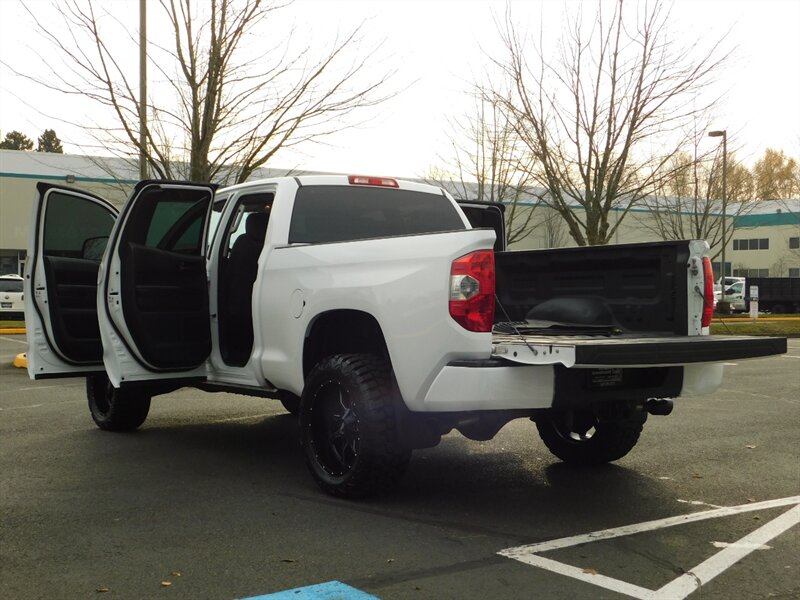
10,285
342,213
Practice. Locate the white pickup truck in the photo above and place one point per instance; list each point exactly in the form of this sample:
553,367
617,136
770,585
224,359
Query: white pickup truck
380,311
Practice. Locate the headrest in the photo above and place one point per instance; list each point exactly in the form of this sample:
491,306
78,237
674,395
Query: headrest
256,224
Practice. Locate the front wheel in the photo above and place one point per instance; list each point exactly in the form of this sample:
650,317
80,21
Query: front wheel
113,409
347,426
581,438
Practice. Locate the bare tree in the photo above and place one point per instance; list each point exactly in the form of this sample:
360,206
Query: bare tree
555,235
223,109
687,203
606,116
488,162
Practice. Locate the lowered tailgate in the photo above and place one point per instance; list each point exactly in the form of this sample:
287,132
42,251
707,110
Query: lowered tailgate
631,350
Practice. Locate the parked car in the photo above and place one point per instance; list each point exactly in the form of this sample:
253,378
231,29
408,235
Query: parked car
734,295
729,281
11,297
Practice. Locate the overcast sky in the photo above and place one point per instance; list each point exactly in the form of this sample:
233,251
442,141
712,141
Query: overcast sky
437,48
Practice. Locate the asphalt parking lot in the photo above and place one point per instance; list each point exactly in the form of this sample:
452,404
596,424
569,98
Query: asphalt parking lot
211,499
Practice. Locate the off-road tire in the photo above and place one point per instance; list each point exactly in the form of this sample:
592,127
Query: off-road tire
113,409
347,426
568,435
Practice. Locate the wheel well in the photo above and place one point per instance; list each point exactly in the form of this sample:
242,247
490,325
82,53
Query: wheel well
342,332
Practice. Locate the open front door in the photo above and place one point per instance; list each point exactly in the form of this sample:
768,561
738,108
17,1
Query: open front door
69,232
153,288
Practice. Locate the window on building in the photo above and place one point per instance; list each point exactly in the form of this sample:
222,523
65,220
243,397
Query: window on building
794,271
756,272
751,244
794,243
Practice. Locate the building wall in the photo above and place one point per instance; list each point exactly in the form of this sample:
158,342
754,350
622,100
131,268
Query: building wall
19,174
774,261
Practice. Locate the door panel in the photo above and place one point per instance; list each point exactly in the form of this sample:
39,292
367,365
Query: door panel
155,322
168,318
72,297
69,232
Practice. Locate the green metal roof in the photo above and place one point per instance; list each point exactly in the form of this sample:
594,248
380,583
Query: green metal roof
782,218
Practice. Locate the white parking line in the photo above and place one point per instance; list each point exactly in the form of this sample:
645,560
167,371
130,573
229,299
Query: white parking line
48,404
687,583
707,570
8,339
247,418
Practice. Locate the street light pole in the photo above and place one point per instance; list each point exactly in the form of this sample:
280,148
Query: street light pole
142,89
724,134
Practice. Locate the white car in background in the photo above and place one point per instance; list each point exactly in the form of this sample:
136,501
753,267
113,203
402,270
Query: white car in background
734,294
11,298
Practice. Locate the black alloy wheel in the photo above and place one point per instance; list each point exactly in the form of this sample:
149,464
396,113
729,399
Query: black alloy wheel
347,426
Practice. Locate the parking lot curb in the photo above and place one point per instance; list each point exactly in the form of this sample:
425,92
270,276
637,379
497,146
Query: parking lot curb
12,331
21,361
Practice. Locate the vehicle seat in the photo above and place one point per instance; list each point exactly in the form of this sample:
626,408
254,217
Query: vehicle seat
243,270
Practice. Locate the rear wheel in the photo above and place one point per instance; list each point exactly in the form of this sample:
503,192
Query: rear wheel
582,438
347,426
113,409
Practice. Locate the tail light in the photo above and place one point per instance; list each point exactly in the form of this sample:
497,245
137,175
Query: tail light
472,291
708,292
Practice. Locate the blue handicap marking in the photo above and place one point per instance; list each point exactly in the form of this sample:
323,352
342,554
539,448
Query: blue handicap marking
332,590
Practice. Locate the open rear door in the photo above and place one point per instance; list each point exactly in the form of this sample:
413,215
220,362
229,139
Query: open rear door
153,287
69,233
487,214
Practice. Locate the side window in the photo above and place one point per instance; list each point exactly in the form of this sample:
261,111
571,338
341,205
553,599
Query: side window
176,225
169,218
75,227
247,205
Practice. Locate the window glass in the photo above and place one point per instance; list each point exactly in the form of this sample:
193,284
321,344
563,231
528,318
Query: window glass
246,205
166,215
71,223
763,244
10,285
342,213
794,242
169,218
735,244
754,244
794,271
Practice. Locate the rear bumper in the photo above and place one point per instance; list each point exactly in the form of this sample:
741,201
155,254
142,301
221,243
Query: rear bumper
494,385
568,371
